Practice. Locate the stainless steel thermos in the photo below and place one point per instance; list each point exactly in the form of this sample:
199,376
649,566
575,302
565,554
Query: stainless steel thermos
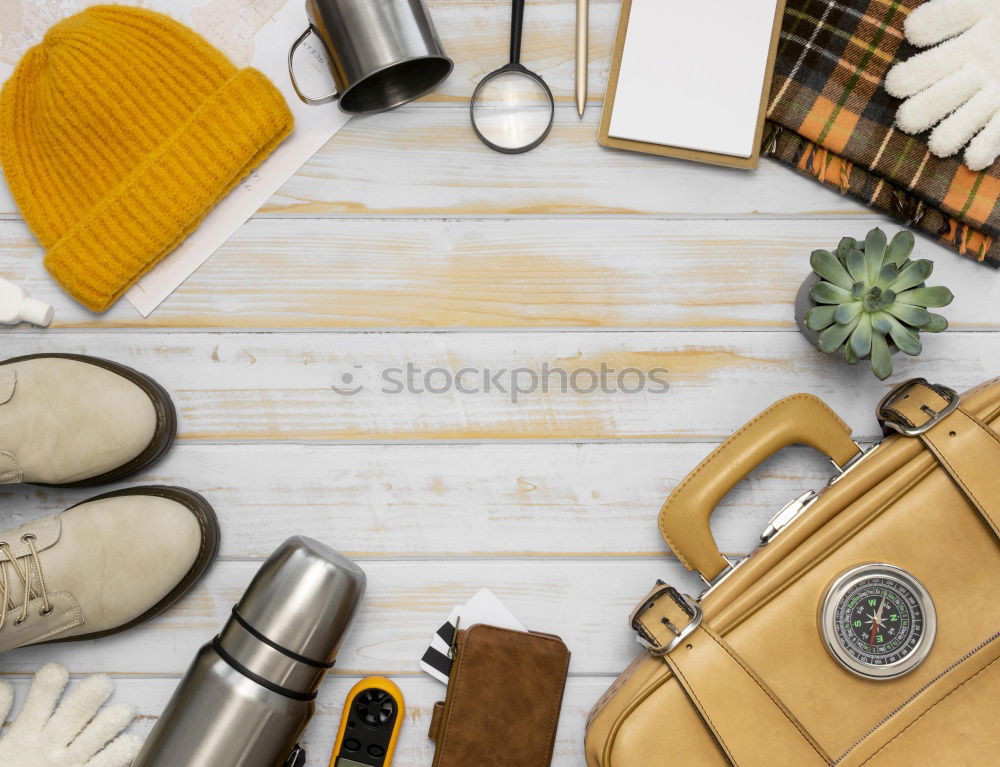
250,692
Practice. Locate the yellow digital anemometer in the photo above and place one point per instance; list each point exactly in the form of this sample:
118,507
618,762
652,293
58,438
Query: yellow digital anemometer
369,727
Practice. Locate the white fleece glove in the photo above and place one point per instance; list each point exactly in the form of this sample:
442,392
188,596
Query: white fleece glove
76,734
956,83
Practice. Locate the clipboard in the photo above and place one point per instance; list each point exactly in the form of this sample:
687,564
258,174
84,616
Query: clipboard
683,153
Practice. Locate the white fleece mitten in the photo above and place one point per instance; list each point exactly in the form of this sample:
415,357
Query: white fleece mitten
79,733
956,83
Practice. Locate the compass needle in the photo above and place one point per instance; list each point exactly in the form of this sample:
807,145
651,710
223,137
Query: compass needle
876,624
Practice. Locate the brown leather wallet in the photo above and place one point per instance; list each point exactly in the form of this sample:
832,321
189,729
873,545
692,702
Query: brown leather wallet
504,699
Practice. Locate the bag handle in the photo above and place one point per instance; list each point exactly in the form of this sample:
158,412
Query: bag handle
801,419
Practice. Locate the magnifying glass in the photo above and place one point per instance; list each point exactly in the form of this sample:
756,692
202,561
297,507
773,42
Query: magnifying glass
512,107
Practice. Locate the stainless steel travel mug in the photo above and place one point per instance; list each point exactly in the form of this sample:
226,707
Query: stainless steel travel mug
382,53
251,691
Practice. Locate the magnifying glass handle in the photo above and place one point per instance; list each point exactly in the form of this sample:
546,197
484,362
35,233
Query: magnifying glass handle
582,29
516,23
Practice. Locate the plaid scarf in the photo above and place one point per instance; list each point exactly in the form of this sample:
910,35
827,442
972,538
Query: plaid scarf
829,117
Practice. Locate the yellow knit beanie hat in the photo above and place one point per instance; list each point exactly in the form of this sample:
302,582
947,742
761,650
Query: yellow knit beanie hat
118,133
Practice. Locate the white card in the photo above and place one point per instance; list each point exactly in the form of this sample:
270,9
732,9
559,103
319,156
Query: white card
484,607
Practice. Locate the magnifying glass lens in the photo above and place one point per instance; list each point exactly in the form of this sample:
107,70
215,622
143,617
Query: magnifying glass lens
512,110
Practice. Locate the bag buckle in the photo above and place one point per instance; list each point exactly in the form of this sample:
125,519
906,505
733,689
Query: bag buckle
891,419
690,607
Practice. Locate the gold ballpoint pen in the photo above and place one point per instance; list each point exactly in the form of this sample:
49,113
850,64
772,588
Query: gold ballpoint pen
582,26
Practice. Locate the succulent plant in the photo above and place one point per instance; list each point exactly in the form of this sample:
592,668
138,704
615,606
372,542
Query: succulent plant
872,297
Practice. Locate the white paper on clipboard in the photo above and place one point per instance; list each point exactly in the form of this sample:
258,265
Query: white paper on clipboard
691,74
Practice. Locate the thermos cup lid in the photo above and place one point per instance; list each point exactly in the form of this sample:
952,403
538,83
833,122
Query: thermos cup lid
304,599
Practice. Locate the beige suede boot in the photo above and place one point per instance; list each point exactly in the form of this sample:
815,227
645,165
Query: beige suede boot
78,421
103,566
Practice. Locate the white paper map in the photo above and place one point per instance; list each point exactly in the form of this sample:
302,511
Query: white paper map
254,33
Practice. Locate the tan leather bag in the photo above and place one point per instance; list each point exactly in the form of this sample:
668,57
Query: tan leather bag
863,631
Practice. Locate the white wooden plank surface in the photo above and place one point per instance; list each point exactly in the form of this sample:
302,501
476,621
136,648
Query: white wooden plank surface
429,162
573,255
413,273
442,501
245,386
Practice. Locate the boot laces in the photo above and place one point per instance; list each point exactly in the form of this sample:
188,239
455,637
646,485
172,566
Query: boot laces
31,561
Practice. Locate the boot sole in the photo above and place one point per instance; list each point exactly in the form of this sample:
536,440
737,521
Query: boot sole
166,420
210,540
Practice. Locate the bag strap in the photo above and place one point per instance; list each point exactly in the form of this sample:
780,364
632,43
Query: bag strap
748,721
967,448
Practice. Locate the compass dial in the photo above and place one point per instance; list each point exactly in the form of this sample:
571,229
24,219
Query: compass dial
878,621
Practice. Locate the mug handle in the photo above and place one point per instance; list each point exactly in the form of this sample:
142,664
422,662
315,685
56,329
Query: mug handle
291,73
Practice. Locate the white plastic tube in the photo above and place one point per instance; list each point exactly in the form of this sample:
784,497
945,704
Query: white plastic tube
17,306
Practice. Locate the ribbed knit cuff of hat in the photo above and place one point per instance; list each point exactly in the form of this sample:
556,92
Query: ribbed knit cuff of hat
164,199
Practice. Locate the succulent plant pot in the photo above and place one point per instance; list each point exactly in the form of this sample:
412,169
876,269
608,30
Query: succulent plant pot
867,300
